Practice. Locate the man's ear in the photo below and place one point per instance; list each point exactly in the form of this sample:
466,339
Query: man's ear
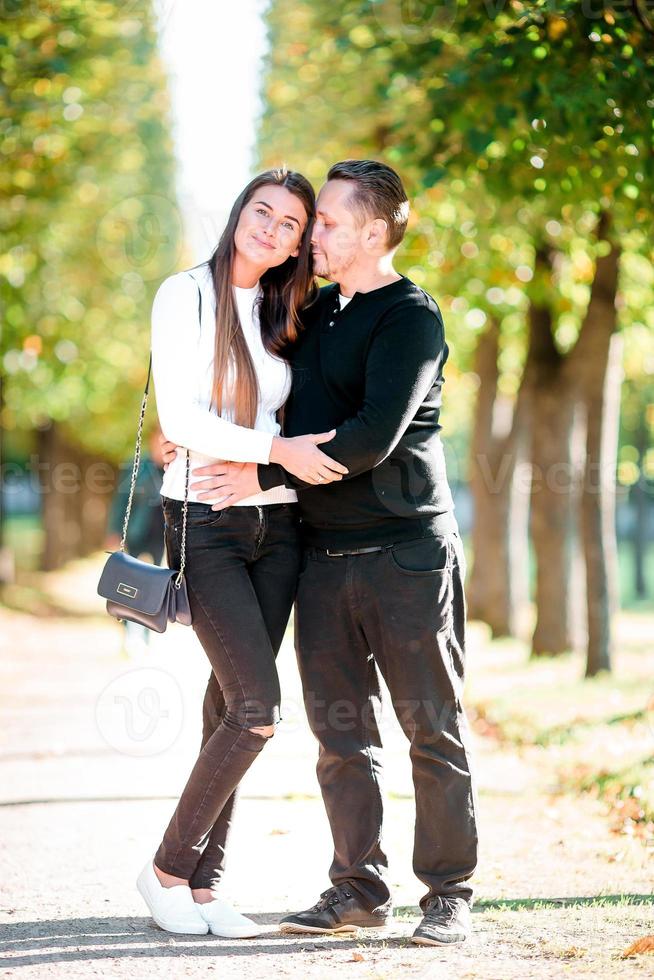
377,234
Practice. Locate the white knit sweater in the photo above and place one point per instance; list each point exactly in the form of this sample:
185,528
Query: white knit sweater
182,370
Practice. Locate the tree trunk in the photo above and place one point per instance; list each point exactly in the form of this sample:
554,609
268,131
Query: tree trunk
7,564
75,496
55,470
2,469
595,367
639,502
98,486
552,414
551,521
496,588
598,510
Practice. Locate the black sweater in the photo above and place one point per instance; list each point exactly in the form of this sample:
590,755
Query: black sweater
372,371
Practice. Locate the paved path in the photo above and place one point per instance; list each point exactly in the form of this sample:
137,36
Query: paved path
94,750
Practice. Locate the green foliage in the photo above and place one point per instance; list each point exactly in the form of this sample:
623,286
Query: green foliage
548,101
91,224
513,125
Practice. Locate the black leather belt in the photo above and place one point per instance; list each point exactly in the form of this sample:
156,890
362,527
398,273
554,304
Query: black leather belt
354,551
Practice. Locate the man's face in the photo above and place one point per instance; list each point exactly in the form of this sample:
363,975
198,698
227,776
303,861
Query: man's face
337,233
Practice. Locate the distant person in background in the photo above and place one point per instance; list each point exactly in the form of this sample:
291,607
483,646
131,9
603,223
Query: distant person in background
145,538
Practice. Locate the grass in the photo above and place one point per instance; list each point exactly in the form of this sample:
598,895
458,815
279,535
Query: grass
594,735
24,536
539,904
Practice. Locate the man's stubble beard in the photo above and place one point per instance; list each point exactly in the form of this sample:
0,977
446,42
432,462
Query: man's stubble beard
332,275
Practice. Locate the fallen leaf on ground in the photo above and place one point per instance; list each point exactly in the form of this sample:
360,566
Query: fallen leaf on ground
644,945
573,952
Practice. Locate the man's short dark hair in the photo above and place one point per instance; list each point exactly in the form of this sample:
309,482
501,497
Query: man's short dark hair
377,193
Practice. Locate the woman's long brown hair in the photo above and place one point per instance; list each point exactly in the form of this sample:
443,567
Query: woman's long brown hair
286,290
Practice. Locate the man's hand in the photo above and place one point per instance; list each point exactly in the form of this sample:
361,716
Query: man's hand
226,483
300,456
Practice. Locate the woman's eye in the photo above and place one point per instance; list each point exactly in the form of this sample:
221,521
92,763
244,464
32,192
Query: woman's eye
262,211
287,224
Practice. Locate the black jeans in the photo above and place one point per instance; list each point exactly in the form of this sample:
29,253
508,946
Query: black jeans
241,574
401,610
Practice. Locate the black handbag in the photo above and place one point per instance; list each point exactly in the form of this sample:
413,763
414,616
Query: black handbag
137,590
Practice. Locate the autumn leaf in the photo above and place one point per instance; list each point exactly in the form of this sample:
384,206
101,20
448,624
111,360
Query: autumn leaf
644,945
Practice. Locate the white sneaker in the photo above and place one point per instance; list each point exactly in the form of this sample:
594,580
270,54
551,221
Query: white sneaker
173,909
223,920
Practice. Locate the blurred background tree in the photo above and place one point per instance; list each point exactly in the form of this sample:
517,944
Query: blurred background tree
532,194
524,133
89,228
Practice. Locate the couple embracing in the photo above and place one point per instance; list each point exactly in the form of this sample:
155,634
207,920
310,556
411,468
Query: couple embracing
348,514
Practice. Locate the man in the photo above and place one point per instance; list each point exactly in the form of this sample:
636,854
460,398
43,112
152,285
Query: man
382,579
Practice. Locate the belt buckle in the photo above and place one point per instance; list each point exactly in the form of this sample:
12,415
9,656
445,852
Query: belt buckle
335,554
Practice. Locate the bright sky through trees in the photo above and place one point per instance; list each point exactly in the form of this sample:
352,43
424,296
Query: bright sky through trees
212,51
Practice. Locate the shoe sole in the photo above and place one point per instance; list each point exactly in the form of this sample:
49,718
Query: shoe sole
292,928
422,941
226,934
145,894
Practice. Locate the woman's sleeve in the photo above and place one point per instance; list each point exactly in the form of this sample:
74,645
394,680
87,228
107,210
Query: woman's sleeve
175,338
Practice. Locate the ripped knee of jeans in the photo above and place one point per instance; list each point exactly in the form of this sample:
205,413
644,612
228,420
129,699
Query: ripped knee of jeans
265,731
258,717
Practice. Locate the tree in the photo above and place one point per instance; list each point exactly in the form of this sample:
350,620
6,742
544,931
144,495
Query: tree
491,101
86,239
523,139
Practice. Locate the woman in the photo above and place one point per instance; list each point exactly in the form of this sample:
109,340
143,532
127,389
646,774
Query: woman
219,332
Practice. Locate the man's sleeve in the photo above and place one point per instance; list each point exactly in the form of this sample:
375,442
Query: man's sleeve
406,355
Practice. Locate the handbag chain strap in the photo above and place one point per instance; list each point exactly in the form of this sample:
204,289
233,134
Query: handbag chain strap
137,463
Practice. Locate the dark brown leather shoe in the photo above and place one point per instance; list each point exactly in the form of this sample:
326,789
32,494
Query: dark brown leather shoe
338,910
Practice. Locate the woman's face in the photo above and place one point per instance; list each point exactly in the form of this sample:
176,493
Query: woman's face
270,226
